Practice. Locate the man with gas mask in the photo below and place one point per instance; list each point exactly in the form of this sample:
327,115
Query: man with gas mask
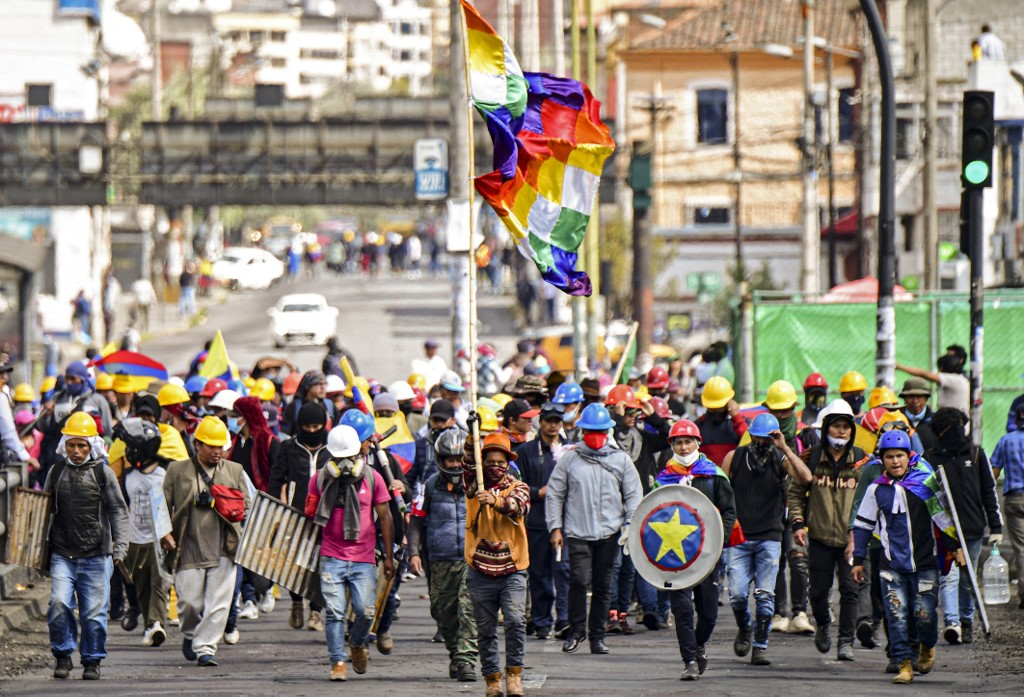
438,523
202,540
145,474
298,459
592,494
88,536
759,473
815,394
442,417
818,512
342,498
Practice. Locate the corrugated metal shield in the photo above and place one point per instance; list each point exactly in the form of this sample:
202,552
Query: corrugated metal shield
27,529
283,545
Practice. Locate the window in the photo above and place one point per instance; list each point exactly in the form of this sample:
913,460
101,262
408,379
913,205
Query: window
256,36
277,62
712,116
277,36
845,109
819,123
705,215
904,138
38,95
405,56
405,28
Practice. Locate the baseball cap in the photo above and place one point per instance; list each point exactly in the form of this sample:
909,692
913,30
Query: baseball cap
519,409
431,344
442,409
550,409
451,381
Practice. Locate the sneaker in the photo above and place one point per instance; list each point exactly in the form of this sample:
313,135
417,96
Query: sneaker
130,621
267,602
385,643
822,640
561,630
248,611
437,638
92,671
613,623
339,672
315,623
543,633
408,576
800,624
186,650
951,634
231,636
845,652
154,635
173,622
297,618
780,624
360,659
207,661
691,672
866,634
63,668
702,659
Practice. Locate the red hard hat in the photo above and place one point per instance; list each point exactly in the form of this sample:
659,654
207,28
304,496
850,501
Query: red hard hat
815,380
871,417
622,393
657,378
420,400
487,350
661,407
684,427
213,387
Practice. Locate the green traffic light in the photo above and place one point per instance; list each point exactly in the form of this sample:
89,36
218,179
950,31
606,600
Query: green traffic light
976,172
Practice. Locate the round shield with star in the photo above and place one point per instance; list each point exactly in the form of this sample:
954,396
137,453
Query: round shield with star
676,537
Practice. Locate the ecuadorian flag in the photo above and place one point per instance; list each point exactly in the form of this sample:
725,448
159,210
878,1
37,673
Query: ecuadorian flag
217,363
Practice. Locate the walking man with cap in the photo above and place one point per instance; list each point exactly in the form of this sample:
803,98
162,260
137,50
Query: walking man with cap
1008,460
517,422
204,543
592,494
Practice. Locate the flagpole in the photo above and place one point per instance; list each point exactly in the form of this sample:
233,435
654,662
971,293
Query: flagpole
625,353
473,382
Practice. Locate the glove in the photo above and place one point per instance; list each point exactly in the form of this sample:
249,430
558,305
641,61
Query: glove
624,539
472,418
995,538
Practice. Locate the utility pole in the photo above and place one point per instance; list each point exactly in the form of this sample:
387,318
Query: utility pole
579,309
833,262
156,104
737,172
931,216
641,180
811,242
458,153
592,239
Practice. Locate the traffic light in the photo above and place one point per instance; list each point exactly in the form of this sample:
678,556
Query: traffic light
978,140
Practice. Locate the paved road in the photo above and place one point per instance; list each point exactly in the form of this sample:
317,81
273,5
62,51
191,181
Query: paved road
382,322
272,659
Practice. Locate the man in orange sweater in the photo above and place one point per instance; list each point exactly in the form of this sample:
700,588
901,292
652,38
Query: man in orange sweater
498,555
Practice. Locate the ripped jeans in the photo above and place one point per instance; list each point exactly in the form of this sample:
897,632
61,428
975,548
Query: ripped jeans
341,581
902,592
755,562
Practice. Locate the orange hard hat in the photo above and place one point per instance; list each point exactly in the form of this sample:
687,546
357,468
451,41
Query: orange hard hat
622,393
291,383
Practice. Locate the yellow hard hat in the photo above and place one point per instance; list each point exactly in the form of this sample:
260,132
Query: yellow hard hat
124,384
502,399
49,382
717,393
104,381
364,389
24,393
212,431
263,389
248,381
80,425
642,394
883,397
853,382
417,380
172,394
488,419
781,395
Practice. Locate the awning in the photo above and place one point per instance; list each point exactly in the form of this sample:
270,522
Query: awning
863,290
845,225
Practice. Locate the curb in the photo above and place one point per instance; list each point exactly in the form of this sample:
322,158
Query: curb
14,613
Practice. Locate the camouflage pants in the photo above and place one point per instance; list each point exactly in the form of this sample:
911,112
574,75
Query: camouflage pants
452,609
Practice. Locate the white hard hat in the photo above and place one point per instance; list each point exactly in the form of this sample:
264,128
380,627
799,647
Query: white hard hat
343,441
334,384
836,407
175,380
225,399
401,390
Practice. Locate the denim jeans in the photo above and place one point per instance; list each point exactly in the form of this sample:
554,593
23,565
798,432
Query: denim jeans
339,580
622,582
652,601
236,600
85,584
955,589
753,562
490,594
549,580
903,594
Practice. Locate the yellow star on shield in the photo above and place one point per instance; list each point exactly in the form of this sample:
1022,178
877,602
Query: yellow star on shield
672,534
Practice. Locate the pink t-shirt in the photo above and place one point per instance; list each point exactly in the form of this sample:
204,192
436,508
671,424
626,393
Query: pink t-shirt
334,543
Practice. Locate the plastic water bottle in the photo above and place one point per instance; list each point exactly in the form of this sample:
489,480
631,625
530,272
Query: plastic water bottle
996,578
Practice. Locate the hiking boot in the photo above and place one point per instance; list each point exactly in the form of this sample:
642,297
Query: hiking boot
453,669
624,626
92,670
186,650
572,642
650,621
63,668
866,635
759,656
822,640
385,643
597,646
702,659
298,616
905,675
951,634
780,624
925,660
248,611
800,625
207,661
315,623
741,645
514,681
493,687
267,602
130,621
691,671
613,626
464,672
154,635
845,651
967,632
339,672
360,659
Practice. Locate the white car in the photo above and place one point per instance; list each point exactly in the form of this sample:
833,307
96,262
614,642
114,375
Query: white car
247,267
302,318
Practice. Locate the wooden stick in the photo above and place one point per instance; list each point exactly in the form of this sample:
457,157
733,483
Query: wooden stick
625,352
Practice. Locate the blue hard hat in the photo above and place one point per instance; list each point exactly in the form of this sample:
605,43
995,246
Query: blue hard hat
360,422
195,384
239,387
763,426
894,440
568,393
595,417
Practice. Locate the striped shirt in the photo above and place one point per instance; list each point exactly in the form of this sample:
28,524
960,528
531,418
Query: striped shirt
1008,457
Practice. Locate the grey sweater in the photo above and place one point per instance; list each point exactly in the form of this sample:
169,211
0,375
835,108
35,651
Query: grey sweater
592,494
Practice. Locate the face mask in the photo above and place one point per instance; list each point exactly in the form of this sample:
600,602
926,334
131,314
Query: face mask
569,415
76,389
686,460
761,450
233,425
595,440
838,443
493,474
717,416
855,402
312,439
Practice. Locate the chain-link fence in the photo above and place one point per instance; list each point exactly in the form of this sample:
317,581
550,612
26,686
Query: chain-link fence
795,338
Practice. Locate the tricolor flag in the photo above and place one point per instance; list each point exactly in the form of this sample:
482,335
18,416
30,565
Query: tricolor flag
400,444
217,363
129,363
549,150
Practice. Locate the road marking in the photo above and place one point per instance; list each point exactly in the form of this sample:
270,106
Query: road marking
534,681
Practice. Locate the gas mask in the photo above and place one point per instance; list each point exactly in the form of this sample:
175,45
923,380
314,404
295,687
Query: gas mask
346,467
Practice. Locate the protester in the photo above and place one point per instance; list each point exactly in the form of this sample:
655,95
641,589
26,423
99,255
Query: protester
1008,460
954,387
